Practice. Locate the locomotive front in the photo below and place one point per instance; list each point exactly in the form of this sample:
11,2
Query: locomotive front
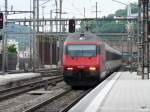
81,60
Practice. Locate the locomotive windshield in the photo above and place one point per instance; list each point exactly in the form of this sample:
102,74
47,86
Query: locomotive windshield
81,50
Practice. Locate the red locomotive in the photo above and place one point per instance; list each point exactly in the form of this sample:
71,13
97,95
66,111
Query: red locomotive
86,59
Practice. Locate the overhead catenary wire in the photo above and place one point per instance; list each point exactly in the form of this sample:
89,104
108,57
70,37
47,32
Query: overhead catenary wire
78,10
45,2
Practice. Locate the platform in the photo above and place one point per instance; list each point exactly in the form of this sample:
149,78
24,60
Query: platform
7,78
121,92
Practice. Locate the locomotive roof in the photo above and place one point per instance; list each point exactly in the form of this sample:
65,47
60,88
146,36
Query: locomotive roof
82,37
88,37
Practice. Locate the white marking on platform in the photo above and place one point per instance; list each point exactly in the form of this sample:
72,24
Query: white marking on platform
94,105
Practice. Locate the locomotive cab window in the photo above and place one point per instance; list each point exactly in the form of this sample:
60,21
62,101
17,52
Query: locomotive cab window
81,50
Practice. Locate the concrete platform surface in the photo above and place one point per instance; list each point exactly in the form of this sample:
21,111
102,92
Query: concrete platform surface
7,78
125,92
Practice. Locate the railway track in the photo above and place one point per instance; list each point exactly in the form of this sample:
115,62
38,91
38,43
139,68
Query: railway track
71,104
49,104
50,73
59,98
50,99
44,72
12,92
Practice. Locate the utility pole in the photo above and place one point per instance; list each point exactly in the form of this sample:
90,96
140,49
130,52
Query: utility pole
59,40
4,42
145,68
96,10
140,44
56,15
34,36
51,23
6,10
37,14
30,64
43,52
43,18
84,12
60,14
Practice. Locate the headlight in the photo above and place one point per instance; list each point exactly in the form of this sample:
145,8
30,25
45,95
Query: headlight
92,68
69,68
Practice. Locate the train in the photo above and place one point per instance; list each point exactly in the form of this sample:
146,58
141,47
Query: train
87,59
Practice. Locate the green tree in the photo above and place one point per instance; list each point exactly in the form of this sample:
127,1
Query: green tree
121,13
113,27
12,48
110,26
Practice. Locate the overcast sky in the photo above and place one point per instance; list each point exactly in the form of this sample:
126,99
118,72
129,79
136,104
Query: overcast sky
74,8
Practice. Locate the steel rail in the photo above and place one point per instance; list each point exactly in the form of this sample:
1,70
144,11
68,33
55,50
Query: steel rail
11,92
69,106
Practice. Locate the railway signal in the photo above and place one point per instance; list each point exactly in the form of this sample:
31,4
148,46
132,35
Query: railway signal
71,25
1,20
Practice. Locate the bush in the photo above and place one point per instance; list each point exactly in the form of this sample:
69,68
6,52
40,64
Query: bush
12,49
